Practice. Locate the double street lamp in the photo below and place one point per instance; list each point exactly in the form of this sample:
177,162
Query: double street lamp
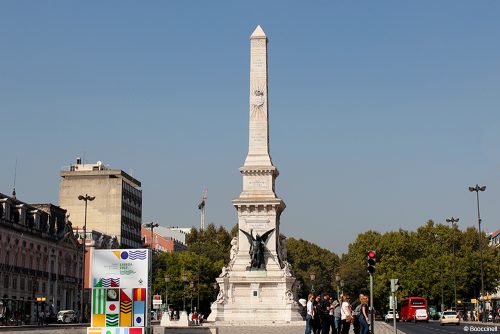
85,198
338,278
191,286
167,280
477,189
184,280
453,220
313,277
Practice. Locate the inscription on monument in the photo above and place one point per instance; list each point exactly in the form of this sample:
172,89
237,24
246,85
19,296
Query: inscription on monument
257,224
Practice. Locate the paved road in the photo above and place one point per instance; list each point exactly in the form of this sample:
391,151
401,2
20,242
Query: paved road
380,328
434,327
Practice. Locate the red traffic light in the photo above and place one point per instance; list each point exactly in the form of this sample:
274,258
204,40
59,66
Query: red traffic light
371,260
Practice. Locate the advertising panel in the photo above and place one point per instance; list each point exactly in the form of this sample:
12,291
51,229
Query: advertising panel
120,291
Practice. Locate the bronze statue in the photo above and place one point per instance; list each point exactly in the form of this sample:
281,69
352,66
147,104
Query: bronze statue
257,249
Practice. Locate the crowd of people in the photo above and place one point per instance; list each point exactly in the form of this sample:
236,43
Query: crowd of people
325,315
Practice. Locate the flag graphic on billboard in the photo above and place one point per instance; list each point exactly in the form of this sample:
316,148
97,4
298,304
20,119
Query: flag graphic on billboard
126,307
98,301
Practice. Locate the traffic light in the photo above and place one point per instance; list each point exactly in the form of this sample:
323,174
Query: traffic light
371,258
394,284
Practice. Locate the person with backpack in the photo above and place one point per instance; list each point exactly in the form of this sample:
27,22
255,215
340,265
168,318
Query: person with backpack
355,314
336,315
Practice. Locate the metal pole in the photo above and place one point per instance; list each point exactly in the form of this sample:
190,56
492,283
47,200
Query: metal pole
454,276
184,296
394,311
84,244
372,322
481,254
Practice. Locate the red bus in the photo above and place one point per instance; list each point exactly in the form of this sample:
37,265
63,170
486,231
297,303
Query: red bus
410,305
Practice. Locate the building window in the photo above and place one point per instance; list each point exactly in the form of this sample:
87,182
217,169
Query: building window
22,285
14,282
51,287
23,260
44,287
6,282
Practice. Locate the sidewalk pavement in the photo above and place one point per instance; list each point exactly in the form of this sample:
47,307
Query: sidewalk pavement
380,328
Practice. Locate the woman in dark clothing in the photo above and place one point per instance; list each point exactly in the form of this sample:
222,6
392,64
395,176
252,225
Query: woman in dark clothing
316,325
363,316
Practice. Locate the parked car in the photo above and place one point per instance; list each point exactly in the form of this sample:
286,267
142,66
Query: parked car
421,315
390,316
66,316
449,317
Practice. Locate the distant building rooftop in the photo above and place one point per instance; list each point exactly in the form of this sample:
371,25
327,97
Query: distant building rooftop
98,168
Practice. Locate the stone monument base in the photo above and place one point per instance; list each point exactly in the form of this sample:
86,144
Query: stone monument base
255,299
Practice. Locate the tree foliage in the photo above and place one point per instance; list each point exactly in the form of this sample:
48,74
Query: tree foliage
425,261
422,260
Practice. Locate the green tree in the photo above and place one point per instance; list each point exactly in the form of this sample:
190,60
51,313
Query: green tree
307,258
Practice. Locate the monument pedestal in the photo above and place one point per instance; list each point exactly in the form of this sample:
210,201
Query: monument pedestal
256,298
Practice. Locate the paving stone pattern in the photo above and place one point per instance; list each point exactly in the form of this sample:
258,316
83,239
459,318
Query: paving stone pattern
380,328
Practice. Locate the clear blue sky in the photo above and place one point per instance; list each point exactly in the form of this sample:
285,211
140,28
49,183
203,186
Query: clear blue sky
381,112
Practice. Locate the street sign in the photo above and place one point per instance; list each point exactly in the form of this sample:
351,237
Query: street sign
157,301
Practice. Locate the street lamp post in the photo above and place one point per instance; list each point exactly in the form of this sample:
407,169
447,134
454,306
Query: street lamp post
477,189
313,277
342,286
151,226
184,280
167,280
85,198
338,278
453,220
191,286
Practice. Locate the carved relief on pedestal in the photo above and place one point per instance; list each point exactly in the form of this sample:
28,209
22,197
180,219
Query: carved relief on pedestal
233,252
289,296
221,297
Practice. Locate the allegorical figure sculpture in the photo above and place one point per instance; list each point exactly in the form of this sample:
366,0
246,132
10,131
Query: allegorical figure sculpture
257,249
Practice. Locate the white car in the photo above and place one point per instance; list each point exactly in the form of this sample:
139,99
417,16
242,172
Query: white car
449,317
66,316
421,315
390,317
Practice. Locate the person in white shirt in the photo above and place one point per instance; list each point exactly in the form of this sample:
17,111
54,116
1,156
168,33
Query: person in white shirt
310,313
345,314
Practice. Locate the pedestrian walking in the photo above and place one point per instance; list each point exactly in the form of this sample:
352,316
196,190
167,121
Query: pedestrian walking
309,314
363,316
316,321
324,311
337,315
346,314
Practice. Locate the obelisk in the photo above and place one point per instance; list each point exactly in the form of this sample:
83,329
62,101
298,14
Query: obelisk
263,293
258,143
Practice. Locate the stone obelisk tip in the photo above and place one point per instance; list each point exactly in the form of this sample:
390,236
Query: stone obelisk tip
258,33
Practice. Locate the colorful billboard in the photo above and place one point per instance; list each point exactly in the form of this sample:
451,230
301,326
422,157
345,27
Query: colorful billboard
120,291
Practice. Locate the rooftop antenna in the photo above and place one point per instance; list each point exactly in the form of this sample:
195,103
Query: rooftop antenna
15,176
201,207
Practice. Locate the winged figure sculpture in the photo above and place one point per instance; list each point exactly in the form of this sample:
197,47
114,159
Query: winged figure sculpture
257,248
